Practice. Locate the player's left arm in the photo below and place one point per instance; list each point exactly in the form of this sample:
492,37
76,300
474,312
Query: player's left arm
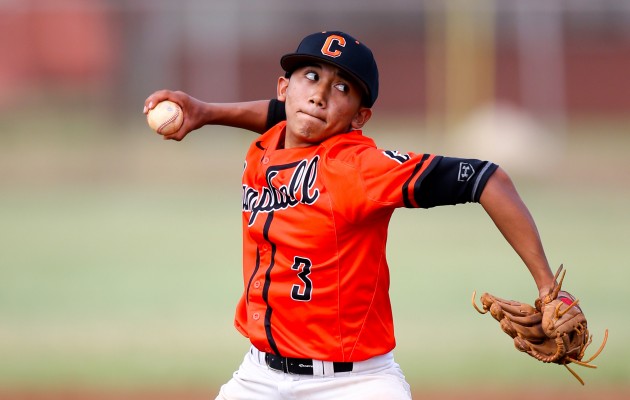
504,205
429,181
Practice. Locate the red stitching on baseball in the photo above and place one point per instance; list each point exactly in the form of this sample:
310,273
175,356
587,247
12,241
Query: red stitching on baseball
170,120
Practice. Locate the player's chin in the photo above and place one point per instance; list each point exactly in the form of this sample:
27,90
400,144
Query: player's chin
311,129
309,138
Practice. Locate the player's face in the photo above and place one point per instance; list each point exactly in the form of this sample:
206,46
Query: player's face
320,102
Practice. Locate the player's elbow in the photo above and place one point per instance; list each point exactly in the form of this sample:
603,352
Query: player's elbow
498,184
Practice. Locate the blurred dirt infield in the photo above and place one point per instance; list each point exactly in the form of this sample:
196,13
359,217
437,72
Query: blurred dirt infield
470,394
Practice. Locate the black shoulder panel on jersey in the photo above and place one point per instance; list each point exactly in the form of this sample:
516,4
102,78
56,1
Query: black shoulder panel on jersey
275,113
453,181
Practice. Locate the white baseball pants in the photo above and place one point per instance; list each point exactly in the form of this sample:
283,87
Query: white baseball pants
378,378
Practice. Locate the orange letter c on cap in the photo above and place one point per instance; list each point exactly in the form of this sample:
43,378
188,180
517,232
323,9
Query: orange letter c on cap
329,42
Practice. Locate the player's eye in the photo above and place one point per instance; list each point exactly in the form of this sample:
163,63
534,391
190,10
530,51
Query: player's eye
312,76
342,87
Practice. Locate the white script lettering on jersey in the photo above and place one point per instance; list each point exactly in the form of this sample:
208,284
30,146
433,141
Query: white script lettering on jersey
300,189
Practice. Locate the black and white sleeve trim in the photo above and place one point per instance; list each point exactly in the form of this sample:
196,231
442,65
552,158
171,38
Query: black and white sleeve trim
454,181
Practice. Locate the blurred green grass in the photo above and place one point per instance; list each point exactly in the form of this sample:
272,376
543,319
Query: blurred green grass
120,261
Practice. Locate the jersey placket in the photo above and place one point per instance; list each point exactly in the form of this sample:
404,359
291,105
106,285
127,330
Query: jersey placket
268,259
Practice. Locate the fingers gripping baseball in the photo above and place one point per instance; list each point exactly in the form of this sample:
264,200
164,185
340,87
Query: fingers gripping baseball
553,331
172,114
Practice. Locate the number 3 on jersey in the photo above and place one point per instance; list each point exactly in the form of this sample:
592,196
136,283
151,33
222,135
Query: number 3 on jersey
302,292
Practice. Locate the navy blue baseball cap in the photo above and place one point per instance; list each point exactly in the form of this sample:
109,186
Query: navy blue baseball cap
341,50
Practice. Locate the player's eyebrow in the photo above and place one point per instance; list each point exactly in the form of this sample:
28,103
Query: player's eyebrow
345,76
351,79
310,65
340,73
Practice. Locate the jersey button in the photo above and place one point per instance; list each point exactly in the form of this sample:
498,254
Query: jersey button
257,284
256,316
265,247
265,160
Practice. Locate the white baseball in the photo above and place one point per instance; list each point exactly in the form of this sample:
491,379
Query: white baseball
165,118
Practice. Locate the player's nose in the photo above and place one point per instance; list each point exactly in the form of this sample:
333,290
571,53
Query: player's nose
319,96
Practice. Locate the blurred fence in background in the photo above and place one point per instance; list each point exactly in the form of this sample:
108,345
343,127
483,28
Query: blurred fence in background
437,57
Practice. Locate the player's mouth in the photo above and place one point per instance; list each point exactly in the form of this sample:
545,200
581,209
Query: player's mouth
312,116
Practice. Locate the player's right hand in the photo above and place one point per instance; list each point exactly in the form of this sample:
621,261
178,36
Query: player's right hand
191,107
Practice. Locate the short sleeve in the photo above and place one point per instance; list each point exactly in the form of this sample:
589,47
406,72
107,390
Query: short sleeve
413,180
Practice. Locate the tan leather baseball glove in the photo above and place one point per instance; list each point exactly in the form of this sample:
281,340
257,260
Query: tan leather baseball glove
554,330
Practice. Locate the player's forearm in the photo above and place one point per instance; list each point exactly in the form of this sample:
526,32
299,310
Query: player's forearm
506,208
250,115
246,115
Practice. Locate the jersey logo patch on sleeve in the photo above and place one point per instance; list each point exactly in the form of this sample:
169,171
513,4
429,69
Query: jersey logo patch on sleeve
466,171
397,156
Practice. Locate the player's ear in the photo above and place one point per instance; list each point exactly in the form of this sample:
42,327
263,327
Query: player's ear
361,117
283,84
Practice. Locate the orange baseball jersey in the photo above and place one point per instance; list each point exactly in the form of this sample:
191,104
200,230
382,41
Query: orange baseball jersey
315,220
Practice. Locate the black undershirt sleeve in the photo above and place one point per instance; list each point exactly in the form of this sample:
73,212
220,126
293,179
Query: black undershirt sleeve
275,113
453,181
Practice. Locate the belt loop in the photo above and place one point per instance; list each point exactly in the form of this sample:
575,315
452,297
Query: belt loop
323,368
258,355
329,368
318,368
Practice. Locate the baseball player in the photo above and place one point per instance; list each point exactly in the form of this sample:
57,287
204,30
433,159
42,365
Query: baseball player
317,200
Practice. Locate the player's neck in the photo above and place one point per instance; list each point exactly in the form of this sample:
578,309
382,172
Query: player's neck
281,139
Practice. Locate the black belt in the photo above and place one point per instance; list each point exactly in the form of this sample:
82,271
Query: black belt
300,366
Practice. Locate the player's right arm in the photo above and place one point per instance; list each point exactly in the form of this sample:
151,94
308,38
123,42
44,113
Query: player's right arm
256,116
